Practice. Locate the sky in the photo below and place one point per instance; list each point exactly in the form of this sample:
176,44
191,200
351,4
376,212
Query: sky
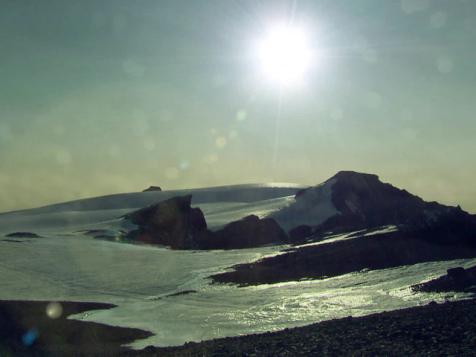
102,97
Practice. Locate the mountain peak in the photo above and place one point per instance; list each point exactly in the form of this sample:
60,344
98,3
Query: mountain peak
354,175
361,200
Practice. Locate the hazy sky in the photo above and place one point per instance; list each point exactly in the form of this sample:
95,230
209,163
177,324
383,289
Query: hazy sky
100,97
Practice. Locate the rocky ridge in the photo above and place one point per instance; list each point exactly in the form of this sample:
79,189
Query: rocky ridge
176,224
362,201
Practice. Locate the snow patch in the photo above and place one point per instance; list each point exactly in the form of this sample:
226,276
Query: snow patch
382,230
312,207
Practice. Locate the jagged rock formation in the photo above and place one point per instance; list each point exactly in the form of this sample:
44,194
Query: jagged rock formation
348,201
427,231
172,222
176,224
362,201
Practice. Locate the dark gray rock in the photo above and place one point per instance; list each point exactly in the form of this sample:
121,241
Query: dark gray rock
300,233
364,202
171,222
176,224
152,189
457,273
180,293
22,235
251,231
456,279
382,251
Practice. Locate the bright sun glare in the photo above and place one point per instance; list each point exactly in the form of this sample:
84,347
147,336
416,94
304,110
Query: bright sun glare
285,54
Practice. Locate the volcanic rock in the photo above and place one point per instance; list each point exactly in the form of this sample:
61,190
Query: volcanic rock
380,251
176,224
362,201
248,232
171,222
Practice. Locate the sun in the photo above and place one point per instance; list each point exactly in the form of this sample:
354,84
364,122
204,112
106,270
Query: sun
285,54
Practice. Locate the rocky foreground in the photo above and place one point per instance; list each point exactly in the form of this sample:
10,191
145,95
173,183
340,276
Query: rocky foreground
28,328
447,329
42,328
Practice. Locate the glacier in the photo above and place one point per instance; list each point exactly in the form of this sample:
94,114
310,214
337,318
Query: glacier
66,264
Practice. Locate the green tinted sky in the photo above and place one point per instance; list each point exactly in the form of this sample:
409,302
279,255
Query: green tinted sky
100,97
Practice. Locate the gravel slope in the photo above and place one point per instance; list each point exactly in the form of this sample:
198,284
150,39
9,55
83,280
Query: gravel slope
447,329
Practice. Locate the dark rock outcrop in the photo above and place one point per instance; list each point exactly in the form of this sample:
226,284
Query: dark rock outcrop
152,189
458,273
22,235
248,232
180,293
456,279
171,222
452,226
364,202
347,202
427,231
176,224
300,233
380,251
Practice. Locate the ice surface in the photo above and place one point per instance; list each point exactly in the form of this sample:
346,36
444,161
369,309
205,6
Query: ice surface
220,205
234,193
312,207
68,265
138,278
